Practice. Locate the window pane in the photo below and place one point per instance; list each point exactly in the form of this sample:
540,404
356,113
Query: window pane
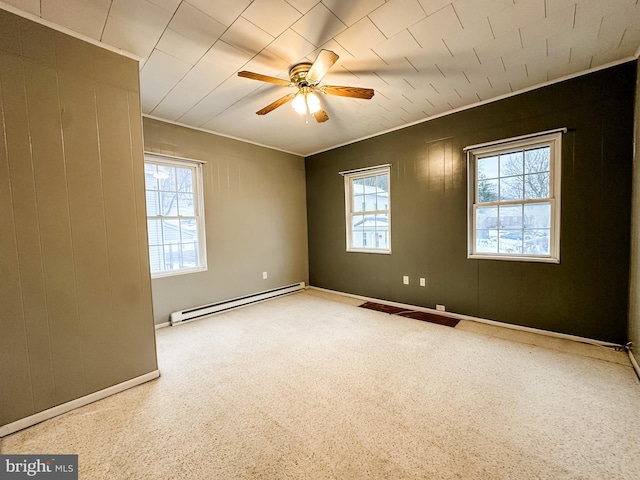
189,255
382,221
487,167
487,217
537,160
154,228
381,234
358,186
487,241
537,215
185,204
536,185
510,217
156,258
189,230
171,231
172,257
169,204
359,204
511,188
185,179
167,178
153,204
382,201
510,241
382,183
357,222
511,164
487,191
537,242
382,240
357,230
150,176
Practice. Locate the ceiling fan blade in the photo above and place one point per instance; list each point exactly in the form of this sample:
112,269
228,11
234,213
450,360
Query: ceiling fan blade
272,106
323,62
321,116
264,78
353,92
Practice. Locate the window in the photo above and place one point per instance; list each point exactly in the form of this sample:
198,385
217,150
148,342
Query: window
175,220
367,210
514,199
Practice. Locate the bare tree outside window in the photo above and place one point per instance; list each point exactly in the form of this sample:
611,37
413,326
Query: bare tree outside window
513,198
521,175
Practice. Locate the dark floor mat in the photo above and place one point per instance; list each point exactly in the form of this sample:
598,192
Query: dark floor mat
414,314
383,308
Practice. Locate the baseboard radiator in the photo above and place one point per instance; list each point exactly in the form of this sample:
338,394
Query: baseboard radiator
176,318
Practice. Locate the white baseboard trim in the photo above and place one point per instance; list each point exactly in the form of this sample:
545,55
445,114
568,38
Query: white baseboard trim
459,316
31,420
162,325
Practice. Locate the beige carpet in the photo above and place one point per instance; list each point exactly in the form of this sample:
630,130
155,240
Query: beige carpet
304,387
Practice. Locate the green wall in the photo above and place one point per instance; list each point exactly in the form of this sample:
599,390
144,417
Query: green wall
585,295
634,287
75,295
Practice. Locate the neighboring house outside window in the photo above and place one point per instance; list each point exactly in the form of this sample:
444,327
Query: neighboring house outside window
514,199
175,218
368,212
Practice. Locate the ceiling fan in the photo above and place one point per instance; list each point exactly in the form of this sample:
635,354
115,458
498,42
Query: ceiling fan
306,77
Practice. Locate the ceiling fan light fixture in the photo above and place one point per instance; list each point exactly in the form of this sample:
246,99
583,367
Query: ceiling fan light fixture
313,102
304,101
299,104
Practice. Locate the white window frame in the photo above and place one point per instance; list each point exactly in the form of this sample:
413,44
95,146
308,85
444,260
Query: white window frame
349,177
198,203
553,139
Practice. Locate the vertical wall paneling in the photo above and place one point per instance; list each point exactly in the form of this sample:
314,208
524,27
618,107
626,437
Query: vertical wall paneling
121,223
76,313
16,363
89,235
55,229
634,287
29,251
585,295
255,217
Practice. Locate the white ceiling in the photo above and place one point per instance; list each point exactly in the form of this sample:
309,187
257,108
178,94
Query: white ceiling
423,57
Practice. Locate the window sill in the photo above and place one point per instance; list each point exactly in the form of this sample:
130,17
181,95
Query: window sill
514,259
370,250
174,273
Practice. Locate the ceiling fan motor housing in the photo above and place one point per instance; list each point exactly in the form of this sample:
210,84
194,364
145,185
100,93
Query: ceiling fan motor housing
298,74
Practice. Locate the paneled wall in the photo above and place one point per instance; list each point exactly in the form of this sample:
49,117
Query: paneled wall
585,295
255,215
75,292
634,288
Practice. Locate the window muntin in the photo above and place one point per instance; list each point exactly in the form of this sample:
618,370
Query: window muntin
514,191
175,223
368,211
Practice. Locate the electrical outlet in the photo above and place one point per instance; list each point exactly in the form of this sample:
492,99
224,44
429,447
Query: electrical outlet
440,308
405,280
423,282
265,275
